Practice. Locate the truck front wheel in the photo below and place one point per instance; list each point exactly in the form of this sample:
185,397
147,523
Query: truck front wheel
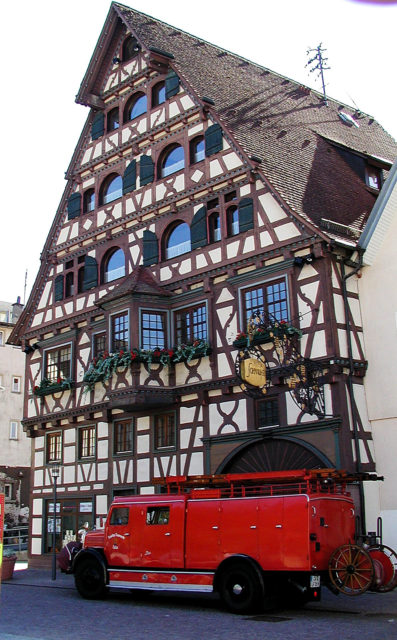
241,589
89,579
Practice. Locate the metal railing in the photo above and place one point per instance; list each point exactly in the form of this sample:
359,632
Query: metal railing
16,538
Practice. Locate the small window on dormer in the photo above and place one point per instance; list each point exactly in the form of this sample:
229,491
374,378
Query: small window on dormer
373,177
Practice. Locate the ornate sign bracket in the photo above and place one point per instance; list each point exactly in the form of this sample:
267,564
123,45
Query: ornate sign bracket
303,376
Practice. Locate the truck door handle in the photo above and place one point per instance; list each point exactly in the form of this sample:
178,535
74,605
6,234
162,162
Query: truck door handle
253,526
126,534
215,527
279,526
167,534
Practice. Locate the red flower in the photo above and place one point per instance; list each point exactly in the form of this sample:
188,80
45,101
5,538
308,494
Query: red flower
133,355
59,380
121,353
106,354
283,322
36,388
170,353
156,353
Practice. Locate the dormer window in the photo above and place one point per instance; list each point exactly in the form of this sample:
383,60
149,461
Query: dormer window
373,177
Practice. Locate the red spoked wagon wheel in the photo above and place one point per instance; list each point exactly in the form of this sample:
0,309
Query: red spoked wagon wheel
385,563
351,569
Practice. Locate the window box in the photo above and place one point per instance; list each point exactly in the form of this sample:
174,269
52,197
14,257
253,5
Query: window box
102,368
47,387
261,335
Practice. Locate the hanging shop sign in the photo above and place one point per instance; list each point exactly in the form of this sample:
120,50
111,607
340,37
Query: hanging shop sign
256,366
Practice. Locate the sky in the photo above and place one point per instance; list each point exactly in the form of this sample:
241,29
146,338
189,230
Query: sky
46,46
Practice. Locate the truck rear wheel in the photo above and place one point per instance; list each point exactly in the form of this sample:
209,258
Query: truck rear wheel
241,589
89,579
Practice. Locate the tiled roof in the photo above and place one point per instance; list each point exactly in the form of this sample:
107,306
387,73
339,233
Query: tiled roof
277,120
140,281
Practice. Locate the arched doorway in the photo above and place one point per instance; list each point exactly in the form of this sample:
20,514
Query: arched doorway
278,454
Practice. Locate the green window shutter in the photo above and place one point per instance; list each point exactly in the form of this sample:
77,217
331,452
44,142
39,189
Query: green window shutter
129,178
150,248
146,170
58,288
171,84
213,139
198,229
90,278
74,206
246,214
98,126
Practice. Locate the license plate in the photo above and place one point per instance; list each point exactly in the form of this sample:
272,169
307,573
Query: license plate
314,582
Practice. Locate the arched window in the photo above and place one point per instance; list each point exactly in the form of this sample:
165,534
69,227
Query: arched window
233,222
89,201
113,119
178,241
113,265
158,94
214,224
111,189
197,149
172,160
130,48
136,106
69,284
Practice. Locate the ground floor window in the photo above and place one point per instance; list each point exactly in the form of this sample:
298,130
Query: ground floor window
71,516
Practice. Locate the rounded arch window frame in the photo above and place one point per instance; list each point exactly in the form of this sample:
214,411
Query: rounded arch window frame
109,254
131,102
165,249
130,48
193,149
105,184
111,120
156,98
232,226
89,200
164,155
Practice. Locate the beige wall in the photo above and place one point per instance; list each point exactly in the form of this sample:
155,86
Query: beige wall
13,453
378,297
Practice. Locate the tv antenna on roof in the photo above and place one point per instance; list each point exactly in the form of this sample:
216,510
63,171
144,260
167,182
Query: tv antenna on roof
320,65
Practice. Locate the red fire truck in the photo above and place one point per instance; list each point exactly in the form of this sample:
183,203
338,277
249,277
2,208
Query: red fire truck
250,537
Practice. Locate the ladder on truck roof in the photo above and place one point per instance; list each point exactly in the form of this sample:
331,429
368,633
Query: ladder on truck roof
295,480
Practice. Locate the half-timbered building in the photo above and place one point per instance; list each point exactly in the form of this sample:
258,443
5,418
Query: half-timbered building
204,190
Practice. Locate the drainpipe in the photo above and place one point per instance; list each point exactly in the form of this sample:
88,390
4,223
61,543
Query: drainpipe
350,387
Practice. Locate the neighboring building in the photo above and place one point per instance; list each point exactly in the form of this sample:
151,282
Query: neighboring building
15,446
378,298
204,188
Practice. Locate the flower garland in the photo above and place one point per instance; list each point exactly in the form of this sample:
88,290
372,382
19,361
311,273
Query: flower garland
278,329
102,368
47,386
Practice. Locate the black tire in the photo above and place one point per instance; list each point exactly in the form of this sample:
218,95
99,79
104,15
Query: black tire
241,588
89,579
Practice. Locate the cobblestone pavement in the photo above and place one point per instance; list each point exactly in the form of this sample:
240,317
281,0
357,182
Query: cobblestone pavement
34,607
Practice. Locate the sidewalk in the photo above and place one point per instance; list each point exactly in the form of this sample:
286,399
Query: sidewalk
39,577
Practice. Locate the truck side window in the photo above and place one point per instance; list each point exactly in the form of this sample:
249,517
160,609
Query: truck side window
119,516
157,515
